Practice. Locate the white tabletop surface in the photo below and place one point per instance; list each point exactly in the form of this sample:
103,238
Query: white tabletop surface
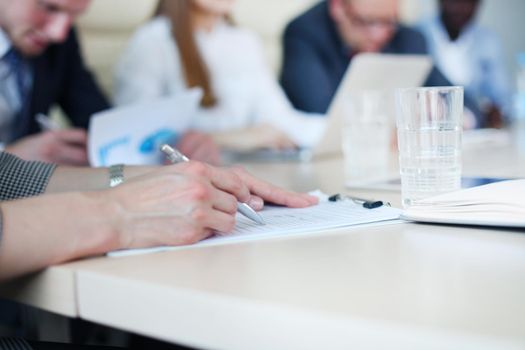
403,286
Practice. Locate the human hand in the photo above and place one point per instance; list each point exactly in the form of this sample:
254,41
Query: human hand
246,188
262,191
199,146
262,136
185,203
176,205
65,147
267,136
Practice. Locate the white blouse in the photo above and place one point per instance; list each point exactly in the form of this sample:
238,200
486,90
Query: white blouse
247,92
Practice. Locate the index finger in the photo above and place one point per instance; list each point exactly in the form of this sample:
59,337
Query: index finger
229,181
274,194
223,179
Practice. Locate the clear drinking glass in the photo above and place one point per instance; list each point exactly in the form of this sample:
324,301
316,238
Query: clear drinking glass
429,128
367,135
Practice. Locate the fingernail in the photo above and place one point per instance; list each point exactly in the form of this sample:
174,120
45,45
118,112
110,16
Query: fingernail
256,203
312,199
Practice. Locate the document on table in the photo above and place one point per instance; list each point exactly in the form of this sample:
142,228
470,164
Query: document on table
286,221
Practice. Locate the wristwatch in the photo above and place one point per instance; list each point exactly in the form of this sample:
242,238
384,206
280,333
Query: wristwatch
116,175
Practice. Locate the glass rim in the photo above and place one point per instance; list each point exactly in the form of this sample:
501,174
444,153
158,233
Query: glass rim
430,88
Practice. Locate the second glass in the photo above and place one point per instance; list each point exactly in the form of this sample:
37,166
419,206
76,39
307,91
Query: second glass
367,132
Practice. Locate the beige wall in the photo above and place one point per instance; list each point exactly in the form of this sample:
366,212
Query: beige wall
105,30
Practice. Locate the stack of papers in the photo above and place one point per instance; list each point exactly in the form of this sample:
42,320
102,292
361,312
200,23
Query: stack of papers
499,204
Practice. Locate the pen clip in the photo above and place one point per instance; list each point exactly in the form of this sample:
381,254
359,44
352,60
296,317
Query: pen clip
368,204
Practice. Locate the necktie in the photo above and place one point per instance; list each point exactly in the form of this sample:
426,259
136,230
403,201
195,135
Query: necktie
17,67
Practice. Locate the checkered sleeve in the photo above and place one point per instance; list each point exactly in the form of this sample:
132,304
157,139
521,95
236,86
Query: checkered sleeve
20,179
1,225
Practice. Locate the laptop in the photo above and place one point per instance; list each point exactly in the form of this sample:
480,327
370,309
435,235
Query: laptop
367,71
370,71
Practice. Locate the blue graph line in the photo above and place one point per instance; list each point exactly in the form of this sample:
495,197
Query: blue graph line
152,142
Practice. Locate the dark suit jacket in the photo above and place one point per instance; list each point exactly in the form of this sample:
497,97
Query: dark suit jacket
315,58
61,77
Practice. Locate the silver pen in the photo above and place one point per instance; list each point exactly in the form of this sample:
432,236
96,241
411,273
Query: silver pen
175,157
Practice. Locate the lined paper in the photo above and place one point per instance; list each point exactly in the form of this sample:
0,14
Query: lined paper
286,221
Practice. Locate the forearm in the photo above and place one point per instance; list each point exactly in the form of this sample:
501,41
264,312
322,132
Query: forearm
53,229
68,179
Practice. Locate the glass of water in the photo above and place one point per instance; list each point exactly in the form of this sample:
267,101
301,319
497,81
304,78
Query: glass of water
366,132
429,128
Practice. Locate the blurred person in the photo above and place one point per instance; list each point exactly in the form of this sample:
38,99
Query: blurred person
41,66
320,44
194,43
470,55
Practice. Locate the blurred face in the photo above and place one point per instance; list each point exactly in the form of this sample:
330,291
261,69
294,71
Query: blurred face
366,25
33,25
458,13
214,7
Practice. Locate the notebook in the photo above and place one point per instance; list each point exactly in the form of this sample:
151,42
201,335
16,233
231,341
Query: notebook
500,204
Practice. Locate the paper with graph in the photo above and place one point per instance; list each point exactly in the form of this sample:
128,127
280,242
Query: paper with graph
133,134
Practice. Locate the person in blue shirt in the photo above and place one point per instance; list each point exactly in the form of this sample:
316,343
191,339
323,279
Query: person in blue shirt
319,45
470,55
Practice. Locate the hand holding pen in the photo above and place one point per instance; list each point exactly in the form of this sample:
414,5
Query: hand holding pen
52,145
175,157
46,123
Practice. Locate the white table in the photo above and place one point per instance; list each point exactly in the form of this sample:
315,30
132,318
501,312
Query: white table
405,286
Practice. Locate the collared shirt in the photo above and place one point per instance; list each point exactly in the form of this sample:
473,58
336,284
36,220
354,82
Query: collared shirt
474,60
10,100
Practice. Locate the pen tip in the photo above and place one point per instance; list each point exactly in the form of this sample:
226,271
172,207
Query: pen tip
260,220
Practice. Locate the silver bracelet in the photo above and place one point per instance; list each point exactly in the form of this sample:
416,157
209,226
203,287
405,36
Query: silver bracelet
116,175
